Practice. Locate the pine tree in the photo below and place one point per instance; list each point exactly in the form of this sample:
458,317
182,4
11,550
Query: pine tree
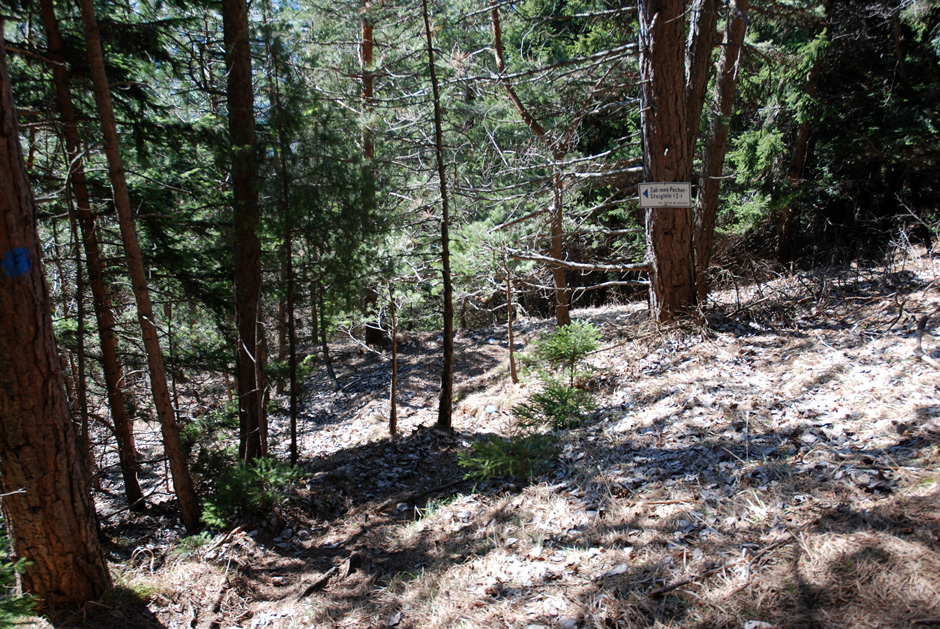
46,497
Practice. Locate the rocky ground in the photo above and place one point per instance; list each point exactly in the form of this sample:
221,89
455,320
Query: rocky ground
772,464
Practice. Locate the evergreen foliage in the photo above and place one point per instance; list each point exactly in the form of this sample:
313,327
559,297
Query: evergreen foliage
359,221
248,490
521,456
558,406
565,349
14,606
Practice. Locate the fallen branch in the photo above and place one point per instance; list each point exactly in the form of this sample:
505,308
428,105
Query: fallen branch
661,502
222,539
578,266
318,584
678,584
343,570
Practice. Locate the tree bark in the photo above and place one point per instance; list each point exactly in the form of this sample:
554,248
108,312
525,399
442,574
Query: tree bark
445,408
366,63
182,482
241,119
698,60
47,502
667,155
104,313
288,252
513,374
393,386
706,203
81,390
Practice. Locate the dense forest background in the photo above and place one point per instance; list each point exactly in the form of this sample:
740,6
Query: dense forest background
222,191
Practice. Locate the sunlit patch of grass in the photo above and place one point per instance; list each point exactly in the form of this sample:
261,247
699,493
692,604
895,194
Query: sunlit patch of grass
129,590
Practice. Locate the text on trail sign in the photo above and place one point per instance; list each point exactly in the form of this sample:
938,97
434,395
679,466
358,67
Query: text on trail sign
665,195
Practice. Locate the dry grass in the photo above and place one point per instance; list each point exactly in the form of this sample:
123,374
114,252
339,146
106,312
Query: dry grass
775,463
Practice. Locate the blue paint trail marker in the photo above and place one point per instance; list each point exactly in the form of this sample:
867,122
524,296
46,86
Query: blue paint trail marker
16,262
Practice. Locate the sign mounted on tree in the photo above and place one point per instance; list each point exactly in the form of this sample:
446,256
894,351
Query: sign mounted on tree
665,195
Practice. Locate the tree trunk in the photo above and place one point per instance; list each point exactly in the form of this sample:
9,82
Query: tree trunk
104,314
47,503
182,482
562,315
328,362
241,120
82,389
556,225
366,64
787,215
393,387
513,374
288,328
667,155
445,408
66,358
706,203
698,60
291,338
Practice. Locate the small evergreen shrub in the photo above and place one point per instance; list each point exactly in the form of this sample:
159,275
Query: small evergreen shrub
208,443
247,490
14,607
191,544
522,456
558,406
565,348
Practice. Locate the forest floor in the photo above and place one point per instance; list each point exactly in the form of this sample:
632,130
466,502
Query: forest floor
774,464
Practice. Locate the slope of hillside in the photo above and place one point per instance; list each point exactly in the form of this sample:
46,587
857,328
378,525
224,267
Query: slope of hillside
773,464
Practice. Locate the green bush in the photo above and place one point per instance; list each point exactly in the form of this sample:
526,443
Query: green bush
14,607
558,405
247,490
280,369
522,456
209,443
565,348
190,545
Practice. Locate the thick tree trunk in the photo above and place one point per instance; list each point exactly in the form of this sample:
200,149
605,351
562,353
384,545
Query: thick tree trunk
706,203
182,482
445,408
47,503
667,155
247,219
104,314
